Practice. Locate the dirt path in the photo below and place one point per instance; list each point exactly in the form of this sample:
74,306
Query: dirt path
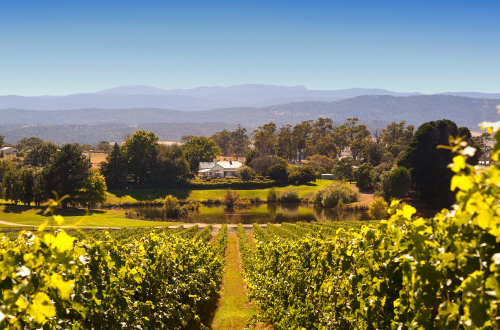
234,310
13,224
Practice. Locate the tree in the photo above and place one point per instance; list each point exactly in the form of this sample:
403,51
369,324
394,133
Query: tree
262,164
301,134
252,154
322,141
93,191
40,192
428,165
198,150
67,172
395,137
40,154
278,172
345,134
13,186
265,140
224,140
114,168
373,153
140,153
171,166
21,185
285,147
362,175
27,176
1,140
380,179
27,143
343,170
302,174
325,146
320,161
87,147
104,146
5,167
399,182
187,138
240,141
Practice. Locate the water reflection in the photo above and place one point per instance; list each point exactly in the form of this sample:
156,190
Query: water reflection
274,213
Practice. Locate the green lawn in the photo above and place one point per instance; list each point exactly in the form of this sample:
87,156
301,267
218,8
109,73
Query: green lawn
120,197
33,216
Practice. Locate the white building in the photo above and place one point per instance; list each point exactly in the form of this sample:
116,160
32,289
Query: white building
221,169
8,151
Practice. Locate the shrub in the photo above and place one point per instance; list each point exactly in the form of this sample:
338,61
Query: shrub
245,173
278,172
242,203
399,182
272,195
289,196
231,198
171,206
378,209
302,174
193,205
336,194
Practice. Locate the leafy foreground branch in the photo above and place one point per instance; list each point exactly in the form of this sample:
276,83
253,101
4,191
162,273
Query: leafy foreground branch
404,273
52,281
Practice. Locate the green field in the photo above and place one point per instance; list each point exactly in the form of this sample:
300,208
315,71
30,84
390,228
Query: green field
120,197
33,216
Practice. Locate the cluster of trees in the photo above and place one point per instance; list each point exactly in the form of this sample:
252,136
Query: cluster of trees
26,144
325,147
421,167
47,169
142,160
232,143
310,138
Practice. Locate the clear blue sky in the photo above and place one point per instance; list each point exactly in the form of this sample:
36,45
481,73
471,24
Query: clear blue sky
63,47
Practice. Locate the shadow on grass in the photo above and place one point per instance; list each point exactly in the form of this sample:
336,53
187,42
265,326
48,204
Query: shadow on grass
151,194
77,212
18,209
207,314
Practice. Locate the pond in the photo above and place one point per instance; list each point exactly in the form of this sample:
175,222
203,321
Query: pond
264,213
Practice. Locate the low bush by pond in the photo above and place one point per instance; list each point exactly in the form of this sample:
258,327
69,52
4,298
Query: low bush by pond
336,194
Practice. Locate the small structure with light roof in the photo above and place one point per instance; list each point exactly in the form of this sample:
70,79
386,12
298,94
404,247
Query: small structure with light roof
223,169
8,150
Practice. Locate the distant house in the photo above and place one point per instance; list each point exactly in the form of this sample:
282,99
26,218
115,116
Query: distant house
170,143
8,151
223,169
345,153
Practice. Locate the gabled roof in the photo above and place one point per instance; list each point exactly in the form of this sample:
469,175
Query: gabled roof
207,164
6,148
230,164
